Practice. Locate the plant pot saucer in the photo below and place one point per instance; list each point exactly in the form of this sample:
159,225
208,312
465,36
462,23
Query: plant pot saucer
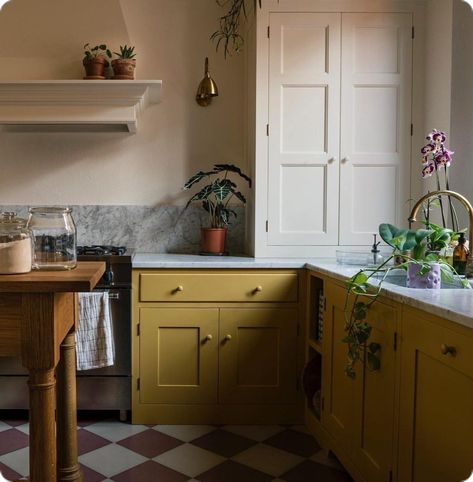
94,77
204,253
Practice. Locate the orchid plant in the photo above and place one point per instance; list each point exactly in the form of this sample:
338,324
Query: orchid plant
437,159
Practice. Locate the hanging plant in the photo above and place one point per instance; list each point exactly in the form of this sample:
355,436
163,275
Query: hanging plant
229,34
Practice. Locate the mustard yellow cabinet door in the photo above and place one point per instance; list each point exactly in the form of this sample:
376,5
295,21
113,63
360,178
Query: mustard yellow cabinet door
178,355
338,390
436,403
375,400
258,348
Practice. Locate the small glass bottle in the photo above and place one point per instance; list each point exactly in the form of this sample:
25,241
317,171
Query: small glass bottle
54,238
15,245
460,255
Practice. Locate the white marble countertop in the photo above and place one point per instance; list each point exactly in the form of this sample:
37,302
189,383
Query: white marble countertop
453,304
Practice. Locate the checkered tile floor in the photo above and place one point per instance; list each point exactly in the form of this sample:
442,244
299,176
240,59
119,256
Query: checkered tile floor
113,451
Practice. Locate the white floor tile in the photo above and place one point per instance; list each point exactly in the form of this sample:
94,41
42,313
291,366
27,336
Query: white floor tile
111,460
189,460
186,433
19,461
24,428
269,460
4,426
115,431
255,432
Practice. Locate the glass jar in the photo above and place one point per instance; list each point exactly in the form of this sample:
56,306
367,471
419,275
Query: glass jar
15,245
54,238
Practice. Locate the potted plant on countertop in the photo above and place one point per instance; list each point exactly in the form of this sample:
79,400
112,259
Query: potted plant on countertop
424,270
215,198
125,64
95,61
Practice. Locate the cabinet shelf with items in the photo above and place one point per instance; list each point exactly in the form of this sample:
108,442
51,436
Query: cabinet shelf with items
315,315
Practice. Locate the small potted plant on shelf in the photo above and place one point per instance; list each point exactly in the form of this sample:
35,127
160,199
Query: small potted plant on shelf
95,61
424,270
125,64
215,198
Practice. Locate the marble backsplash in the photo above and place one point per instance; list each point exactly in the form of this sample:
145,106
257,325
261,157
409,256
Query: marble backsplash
147,229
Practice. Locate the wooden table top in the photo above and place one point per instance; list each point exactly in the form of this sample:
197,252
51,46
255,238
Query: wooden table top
81,279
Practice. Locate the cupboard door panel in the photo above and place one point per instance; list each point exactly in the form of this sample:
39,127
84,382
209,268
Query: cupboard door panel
178,360
258,349
375,122
436,403
304,116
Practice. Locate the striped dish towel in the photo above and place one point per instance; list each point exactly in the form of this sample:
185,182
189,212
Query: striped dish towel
95,348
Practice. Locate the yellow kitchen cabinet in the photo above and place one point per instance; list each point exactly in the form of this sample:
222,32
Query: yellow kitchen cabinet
258,351
436,414
178,355
216,346
359,413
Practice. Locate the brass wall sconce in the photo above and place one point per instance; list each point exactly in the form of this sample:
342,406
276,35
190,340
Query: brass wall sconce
207,88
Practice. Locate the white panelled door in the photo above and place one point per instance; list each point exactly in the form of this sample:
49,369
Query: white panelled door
304,119
376,96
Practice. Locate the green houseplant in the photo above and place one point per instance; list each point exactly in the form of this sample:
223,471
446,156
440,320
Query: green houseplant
411,252
215,198
125,64
95,61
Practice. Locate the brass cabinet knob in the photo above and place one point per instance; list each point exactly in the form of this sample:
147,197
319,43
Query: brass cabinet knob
208,338
258,289
448,350
227,338
179,288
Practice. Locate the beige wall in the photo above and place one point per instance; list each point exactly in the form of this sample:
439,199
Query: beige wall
44,39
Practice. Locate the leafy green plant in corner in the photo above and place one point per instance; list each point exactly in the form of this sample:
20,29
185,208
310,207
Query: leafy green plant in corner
97,51
217,194
126,52
363,289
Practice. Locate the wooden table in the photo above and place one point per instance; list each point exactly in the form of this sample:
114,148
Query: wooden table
37,323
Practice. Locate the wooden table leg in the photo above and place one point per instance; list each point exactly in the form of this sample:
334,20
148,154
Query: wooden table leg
68,465
42,426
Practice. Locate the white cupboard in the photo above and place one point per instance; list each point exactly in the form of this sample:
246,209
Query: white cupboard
335,159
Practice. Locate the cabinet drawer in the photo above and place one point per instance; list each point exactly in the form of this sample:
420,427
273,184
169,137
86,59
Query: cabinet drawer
214,287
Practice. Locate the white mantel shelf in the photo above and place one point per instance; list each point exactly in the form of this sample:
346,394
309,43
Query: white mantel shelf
76,105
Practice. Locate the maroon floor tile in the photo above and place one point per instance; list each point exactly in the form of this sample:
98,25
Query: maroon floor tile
88,441
90,475
231,471
149,472
150,443
8,473
223,443
309,470
298,443
11,440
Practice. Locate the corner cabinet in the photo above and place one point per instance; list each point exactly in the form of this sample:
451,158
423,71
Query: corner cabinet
333,139
216,346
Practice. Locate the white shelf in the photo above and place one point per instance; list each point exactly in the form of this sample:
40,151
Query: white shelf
76,105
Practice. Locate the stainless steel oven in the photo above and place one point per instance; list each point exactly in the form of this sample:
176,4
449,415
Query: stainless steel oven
103,388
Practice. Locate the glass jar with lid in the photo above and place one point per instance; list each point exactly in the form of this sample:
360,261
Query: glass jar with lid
54,238
15,245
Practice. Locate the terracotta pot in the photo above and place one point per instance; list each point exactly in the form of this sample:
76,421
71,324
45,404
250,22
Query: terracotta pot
213,240
95,68
124,69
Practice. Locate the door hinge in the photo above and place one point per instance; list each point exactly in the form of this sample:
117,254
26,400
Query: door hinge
412,130
138,329
395,341
390,476
138,383
269,31
413,32
267,226
267,130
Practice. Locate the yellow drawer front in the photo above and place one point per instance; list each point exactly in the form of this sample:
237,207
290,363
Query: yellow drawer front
214,287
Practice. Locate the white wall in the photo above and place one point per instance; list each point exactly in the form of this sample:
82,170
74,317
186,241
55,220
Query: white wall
44,39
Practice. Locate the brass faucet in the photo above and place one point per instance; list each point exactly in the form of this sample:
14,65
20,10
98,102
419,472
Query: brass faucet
468,207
